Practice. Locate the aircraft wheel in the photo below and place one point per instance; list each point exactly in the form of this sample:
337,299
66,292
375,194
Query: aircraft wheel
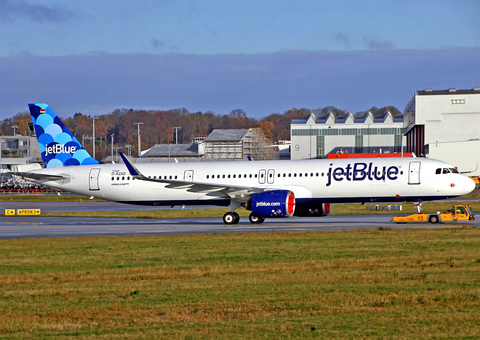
434,219
255,219
231,218
237,218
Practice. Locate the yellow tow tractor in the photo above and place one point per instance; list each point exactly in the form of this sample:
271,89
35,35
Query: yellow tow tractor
457,213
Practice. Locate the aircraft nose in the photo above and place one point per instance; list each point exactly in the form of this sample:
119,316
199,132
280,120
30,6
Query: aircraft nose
468,186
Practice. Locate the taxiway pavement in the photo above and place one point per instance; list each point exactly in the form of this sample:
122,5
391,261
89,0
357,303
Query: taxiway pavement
44,227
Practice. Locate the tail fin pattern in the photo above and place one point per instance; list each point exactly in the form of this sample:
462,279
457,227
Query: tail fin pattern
58,145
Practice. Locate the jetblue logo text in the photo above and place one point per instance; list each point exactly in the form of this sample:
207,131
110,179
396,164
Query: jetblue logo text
58,148
361,172
268,204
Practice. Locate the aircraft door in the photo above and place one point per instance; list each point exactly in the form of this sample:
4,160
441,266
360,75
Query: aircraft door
271,176
94,179
262,174
414,173
188,176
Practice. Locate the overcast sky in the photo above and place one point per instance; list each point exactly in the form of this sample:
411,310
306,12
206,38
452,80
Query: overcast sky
262,56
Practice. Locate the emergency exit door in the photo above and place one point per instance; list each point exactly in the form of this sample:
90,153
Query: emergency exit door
188,176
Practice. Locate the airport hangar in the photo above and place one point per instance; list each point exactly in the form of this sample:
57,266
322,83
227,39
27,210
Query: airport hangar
445,125
439,124
316,138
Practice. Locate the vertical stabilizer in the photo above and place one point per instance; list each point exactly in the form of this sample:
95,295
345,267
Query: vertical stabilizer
58,145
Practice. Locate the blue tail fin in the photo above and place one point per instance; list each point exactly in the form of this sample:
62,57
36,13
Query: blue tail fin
57,144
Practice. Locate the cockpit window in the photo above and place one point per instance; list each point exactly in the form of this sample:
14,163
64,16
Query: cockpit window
446,171
450,171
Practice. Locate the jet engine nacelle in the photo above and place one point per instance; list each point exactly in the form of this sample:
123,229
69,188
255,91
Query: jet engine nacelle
314,209
275,203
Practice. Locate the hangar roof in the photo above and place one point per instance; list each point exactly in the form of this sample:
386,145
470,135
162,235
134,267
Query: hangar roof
227,135
427,92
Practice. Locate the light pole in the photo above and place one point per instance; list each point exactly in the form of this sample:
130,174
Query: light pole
93,137
112,146
129,151
116,148
176,133
138,133
14,131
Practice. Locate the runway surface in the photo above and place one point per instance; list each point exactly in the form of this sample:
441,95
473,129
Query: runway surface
43,227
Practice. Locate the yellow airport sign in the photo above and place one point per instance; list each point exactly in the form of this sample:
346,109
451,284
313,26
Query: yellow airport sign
23,212
9,212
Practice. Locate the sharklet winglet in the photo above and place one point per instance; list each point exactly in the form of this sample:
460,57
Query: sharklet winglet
131,168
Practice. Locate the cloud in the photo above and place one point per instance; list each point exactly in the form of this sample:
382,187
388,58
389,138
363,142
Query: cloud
163,46
345,40
259,84
11,10
377,45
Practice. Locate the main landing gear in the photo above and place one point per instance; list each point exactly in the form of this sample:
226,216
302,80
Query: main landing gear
254,219
234,218
231,218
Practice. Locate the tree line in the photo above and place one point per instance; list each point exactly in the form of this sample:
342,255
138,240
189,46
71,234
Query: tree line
158,125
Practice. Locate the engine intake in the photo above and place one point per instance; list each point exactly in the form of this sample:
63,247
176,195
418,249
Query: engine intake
275,203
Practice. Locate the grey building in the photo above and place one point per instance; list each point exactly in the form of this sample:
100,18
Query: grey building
221,144
239,144
444,125
18,151
316,138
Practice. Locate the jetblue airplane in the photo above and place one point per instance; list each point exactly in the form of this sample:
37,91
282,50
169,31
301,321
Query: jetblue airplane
269,189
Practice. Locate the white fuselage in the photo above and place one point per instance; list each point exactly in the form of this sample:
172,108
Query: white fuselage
328,181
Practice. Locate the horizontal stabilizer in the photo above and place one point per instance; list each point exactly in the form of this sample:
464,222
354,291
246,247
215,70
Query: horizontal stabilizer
38,176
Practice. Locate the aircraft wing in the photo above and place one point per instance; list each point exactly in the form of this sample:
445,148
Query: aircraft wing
38,176
212,189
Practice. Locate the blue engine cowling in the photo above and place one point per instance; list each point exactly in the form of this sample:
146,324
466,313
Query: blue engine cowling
275,203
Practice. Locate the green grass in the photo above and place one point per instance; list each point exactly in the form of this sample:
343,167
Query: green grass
46,198
346,285
337,209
